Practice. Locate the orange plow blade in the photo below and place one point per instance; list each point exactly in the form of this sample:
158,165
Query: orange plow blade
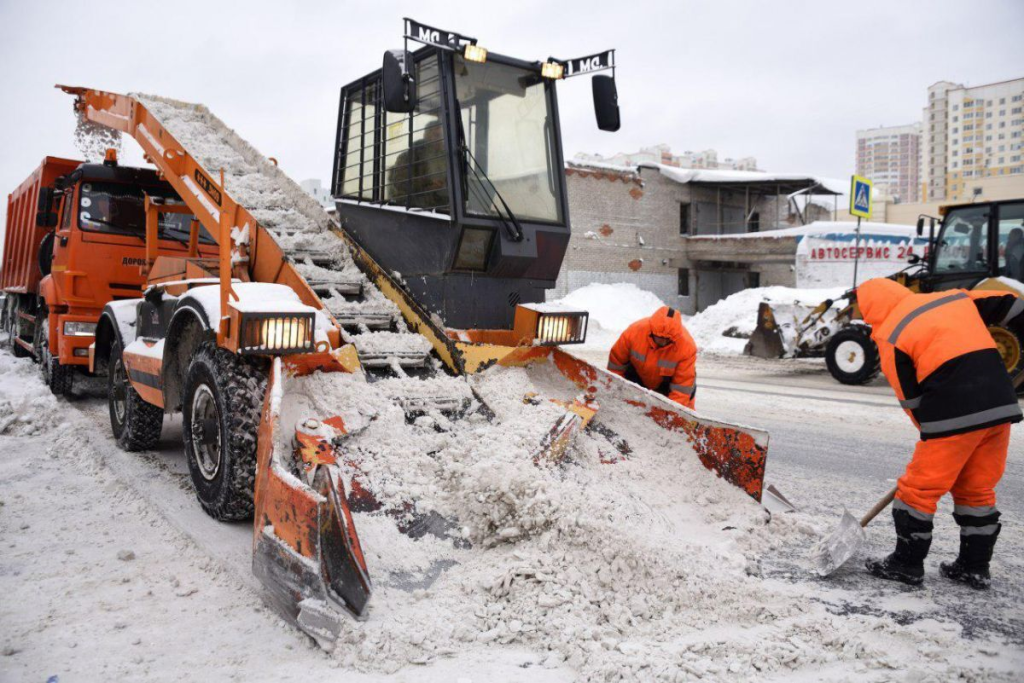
737,454
306,550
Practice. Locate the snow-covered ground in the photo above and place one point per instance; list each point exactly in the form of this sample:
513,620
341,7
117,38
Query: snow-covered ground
109,569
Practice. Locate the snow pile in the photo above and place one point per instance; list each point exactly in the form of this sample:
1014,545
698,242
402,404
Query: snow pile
724,327
602,567
642,570
822,228
26,407
612,309
297,220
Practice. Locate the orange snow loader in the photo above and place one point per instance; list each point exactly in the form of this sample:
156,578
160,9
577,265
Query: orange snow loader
76,240
294,297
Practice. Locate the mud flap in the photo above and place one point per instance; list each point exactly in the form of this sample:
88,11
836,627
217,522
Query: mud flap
766,340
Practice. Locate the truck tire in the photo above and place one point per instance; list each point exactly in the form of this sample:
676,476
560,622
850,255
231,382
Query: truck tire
14,327
59,378
136,425
221,407
852,356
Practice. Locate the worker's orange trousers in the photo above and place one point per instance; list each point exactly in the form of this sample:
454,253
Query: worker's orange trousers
967,465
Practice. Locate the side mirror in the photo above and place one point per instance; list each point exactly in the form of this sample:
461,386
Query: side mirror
914,259
46,217
398,83
45,199
920,226
606,103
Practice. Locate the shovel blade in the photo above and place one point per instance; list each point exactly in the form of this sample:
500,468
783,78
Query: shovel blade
833,552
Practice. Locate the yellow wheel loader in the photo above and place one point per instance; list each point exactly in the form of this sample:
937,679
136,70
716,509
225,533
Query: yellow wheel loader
978,246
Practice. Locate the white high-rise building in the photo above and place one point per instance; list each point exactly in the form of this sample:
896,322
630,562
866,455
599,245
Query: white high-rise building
320,193
972,135
891,157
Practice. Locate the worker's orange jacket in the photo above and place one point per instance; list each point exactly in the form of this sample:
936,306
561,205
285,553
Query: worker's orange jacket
939,357
669,370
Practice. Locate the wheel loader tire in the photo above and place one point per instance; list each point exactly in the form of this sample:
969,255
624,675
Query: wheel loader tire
221,408
136,424
852,356
1010,345
59,378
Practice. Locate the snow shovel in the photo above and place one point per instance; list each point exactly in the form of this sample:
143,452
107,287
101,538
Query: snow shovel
832,553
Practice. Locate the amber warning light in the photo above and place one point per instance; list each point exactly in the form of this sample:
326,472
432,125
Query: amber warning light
550,325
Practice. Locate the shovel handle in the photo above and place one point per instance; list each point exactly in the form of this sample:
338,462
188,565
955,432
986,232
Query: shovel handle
879,506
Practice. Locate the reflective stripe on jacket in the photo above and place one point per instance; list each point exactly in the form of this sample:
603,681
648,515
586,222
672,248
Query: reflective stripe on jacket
939,357
670,370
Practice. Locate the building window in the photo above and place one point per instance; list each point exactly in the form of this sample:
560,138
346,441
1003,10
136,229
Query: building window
684,282
754,222
684,218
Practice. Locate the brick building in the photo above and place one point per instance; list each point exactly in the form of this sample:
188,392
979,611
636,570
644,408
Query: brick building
634,224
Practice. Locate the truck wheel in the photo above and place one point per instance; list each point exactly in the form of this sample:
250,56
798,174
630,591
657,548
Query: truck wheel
59,378
221,408
852,357
136,424
13,328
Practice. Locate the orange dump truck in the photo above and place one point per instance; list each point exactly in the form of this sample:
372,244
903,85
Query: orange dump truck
75,241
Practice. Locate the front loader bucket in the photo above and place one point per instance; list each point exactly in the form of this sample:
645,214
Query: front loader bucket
737,454
306,552
766,340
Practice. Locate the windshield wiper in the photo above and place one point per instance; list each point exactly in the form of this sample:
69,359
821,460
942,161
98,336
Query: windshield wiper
165,233
118,229
512,226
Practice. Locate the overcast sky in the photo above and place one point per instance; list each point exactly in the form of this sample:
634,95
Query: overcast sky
786,82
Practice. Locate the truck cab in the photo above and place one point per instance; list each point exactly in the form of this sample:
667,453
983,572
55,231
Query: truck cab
93,252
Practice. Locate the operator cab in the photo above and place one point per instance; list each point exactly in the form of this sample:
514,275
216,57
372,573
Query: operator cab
449,172
977,241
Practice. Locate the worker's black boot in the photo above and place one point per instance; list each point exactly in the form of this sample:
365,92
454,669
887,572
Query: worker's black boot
913,538
978,534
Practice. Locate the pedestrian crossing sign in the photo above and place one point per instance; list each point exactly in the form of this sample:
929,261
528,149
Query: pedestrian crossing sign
860,197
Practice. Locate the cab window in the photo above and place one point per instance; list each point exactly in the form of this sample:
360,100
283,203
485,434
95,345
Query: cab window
1011,241
507,125
119,209
963,242
395,158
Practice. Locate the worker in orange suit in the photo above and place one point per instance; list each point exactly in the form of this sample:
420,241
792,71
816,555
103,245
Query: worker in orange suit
948,375
659,354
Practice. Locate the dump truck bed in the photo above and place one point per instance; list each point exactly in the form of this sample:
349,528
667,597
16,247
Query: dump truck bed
20,271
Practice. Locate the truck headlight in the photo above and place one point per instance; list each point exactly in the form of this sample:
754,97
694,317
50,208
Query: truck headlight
276,333
74,329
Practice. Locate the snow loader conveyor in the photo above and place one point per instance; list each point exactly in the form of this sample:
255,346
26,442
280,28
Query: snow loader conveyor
369,415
